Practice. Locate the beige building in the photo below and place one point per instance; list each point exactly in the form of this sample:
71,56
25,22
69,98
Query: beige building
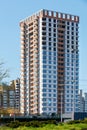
10,95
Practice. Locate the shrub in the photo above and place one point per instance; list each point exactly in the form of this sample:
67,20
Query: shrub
34,124
84,129
31,123
13,124
73,122
72,129
84,121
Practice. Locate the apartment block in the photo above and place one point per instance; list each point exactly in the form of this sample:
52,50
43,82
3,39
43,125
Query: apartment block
16,93
85,98
49,63
81,101
6,96
10,95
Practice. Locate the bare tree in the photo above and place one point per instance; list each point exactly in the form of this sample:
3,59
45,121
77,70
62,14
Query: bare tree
3,72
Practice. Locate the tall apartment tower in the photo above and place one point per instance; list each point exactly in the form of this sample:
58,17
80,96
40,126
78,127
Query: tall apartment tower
49,63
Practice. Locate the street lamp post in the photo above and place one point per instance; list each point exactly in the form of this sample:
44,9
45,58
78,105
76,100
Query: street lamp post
14,105
73,51
61,107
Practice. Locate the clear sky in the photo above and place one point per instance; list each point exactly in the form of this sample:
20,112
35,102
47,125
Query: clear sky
13,11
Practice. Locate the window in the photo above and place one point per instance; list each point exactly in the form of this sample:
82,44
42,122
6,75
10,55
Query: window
50,67
44,76
49,109
49,76
49,90
49,39
50,81
44,80
49,24
54,95
49,105
49,48
44,94
49,20
54,39
49,86
54,72
54,20
68,28
54,104
67,37
54,76
72,24
44,71
44,90
49,95
54,81
44,52
49,71
54,30
44,48
44,85
54,44
49,43
54,25
44,61
49,62
44,99
54,53
49,34
54,99
54,67
43,43
72,28
44,66
44,108
54,90
54,109
67,100
67,23
54,49
49,29
54,35
44,57
72,37
50,53
44,19
54,62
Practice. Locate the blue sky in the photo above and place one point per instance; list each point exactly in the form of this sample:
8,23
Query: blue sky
13,11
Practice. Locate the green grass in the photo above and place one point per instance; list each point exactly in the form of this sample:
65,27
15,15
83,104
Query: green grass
50,127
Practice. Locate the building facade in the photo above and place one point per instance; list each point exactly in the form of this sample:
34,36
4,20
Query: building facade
49,63
85,98
6,97
16,93
10,95
81,102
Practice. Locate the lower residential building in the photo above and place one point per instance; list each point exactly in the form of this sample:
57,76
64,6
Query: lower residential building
10,95
85,101
81,102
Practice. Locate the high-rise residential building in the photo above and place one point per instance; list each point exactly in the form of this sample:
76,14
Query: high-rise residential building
49,63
